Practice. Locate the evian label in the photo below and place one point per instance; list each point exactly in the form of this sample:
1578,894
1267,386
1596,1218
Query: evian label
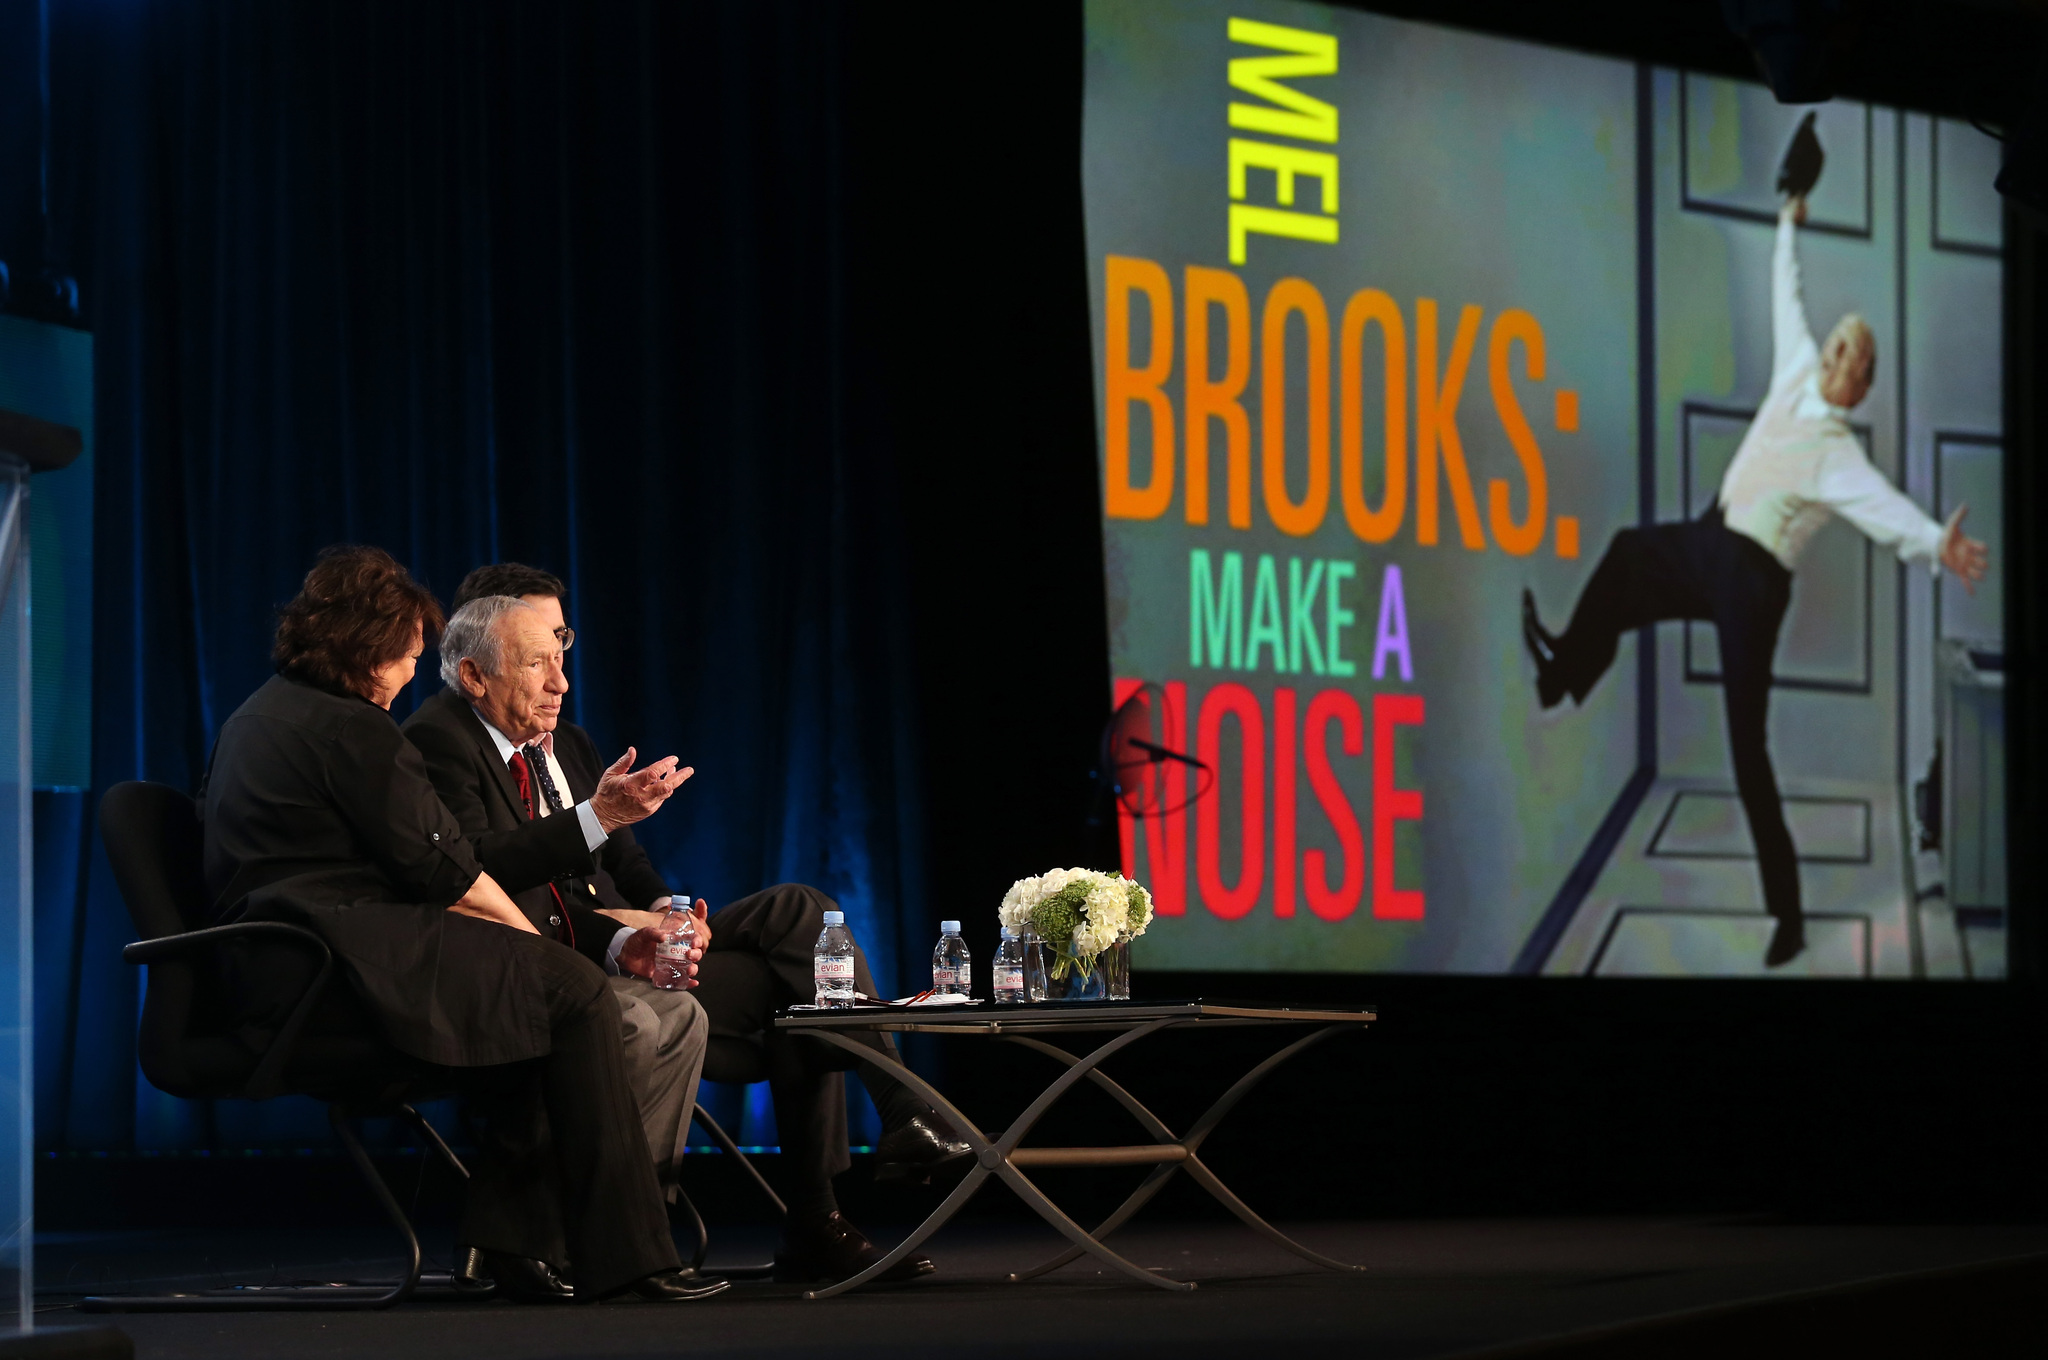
676,948
1009,978
827,968
945,977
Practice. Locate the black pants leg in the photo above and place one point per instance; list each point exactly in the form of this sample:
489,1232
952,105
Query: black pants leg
758,962
1754,590
1647,575
564,1173
1702,570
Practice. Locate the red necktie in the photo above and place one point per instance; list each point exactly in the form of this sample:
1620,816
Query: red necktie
523,777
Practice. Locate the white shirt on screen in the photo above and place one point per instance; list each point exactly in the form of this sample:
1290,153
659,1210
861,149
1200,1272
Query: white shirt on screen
593,830
1800,462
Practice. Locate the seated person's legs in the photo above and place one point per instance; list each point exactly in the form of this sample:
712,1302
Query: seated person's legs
664,1035
760,961
567,1173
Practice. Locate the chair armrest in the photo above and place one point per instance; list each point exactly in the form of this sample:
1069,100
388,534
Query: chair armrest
268,1078
168,946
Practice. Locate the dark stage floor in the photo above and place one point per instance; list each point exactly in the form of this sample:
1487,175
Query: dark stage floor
1433,1289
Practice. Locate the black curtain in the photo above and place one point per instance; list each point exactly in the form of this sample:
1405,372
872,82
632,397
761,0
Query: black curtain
566,284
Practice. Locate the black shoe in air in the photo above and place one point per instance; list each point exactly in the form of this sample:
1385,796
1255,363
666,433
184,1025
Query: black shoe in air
1800,170
1543,651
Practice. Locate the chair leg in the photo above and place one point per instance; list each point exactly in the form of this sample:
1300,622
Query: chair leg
299,1297
689,1210
434,1140
732,1150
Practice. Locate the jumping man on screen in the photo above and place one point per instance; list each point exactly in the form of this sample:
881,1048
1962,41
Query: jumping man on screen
1798,464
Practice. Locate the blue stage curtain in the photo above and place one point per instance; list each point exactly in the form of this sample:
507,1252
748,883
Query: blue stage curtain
560,283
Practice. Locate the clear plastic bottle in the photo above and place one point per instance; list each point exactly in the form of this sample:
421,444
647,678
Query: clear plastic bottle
1009,970
672,949
832,964
952,966
1034,966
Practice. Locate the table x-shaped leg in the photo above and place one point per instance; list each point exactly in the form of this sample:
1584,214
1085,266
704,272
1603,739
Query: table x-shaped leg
1156,1179
993,1159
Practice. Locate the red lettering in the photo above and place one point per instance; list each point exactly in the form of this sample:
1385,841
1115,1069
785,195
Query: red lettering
1390,805
1328,706
1165,786
1283,802
1231,903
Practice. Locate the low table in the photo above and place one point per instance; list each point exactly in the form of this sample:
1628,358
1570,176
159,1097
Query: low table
1127,1022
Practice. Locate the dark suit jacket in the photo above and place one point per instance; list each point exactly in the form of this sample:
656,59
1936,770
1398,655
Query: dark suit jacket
526,854
317,811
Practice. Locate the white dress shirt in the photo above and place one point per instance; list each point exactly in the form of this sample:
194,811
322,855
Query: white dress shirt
593,830
1800,461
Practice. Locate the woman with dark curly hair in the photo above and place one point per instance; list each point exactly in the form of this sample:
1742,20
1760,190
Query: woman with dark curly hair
318,811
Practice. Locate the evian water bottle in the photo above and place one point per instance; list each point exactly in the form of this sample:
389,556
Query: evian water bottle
832,964
677,935
1009,970
952,966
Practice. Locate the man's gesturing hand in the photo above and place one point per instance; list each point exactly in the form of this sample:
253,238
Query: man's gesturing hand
1967,557
625,796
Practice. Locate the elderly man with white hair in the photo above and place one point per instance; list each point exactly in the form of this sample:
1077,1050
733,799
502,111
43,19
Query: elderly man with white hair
1799,463
499,720
757,959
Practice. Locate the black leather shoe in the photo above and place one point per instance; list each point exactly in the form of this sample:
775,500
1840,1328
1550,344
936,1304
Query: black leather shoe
1786,943
674,1286
515,1277
921,1150
832,1249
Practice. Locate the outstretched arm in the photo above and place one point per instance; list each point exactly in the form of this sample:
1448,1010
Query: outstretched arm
1792,343
1859,493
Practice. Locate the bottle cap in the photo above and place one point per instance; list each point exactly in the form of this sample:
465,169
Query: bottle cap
835,918
1009,934
949,927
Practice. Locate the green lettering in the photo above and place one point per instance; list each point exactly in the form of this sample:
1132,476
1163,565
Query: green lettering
1220,606
1265,630
1337,619
1301,616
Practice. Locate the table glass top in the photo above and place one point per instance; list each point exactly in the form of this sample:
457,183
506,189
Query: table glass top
981,1016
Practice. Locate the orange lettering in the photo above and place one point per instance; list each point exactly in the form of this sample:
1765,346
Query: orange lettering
1299,518
1123,384
1436,425
1205,400
1524,538
1366,306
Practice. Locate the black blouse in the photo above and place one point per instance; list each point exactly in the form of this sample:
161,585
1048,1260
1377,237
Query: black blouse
307,782
318,811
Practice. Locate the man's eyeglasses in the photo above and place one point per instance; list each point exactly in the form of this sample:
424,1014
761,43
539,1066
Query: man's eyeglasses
566,636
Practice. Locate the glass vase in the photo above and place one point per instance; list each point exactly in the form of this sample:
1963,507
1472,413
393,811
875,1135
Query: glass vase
1114,963
1046,980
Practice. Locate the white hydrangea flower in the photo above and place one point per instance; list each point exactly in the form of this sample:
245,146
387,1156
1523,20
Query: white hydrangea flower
1093,935
1143,917
1104,913
1024,894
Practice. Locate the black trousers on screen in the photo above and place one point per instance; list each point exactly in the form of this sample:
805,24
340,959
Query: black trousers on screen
758,962
1706,571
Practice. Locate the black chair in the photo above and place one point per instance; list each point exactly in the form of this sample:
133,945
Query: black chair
187,1048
